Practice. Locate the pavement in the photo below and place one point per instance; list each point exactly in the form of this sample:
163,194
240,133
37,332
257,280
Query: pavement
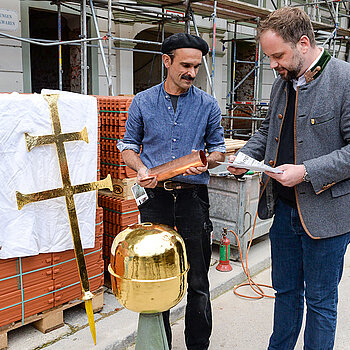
238,323
116,326
246,324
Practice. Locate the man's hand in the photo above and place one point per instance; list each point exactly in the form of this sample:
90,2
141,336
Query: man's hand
195,170
233,170
292,174
144,180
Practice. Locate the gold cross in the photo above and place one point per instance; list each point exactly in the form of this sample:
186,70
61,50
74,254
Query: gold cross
67,191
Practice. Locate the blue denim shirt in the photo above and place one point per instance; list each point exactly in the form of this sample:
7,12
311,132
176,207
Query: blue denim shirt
166,135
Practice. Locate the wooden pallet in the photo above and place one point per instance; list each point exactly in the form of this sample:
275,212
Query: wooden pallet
51,319
233,145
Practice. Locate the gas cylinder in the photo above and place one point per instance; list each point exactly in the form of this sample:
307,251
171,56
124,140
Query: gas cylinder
224,263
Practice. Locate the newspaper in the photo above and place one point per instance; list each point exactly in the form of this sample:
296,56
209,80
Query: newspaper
245,162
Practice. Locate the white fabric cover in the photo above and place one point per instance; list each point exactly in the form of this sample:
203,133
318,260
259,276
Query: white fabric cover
43,227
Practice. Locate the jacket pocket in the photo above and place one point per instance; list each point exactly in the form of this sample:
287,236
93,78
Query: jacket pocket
341,188
321,119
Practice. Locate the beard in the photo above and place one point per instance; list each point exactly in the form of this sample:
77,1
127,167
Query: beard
294,70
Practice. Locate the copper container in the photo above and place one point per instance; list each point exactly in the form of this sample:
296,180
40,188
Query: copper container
178,166
148,268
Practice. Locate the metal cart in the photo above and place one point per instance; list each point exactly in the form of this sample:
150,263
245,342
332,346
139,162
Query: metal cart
233,204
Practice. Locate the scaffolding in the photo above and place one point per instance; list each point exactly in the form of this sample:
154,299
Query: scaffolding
331,23
330,20
142,13
86,42
253,110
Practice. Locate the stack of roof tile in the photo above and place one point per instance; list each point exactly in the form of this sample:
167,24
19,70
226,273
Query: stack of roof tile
113,113
117,215
36,283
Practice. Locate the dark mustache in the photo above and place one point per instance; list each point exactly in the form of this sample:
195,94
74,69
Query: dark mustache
187,77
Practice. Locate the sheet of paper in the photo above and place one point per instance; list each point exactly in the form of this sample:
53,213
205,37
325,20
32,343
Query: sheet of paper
245,162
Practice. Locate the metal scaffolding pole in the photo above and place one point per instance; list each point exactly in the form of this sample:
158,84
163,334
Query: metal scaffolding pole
44,42
133,50
233,65
256,80
137,41
60,70
110,90
330,37
204,60
213,52
83,50
188,17
336,26
147,11
109,79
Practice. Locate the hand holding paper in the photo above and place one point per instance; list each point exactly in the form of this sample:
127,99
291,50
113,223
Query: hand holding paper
292,174
243,161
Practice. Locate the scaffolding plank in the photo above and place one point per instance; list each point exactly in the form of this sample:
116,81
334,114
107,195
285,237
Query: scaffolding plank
226,9
327,27
233,10
243,8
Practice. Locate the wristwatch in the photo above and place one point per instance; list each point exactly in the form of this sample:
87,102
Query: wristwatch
306,177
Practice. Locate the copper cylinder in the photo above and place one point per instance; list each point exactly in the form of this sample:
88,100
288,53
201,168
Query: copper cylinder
148,268
178,166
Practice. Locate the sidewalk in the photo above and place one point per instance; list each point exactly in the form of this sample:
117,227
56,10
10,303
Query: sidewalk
115,326
240,323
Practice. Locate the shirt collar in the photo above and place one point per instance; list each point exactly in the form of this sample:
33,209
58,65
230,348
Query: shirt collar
301,80
184,94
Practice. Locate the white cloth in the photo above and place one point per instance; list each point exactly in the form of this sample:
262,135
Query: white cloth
43,227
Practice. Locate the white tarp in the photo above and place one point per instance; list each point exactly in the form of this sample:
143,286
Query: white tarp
43,227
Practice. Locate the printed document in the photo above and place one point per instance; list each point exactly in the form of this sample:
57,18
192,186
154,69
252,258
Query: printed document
245,162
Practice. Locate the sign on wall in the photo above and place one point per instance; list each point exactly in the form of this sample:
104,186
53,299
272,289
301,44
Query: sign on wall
8,20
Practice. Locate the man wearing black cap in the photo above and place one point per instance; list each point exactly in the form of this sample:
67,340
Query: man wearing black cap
170,120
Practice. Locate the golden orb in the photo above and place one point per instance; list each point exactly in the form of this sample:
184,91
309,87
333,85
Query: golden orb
148,268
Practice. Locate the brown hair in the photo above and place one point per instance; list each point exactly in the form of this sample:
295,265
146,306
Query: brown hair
290,23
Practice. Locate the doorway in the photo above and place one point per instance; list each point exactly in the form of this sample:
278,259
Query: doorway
147,66
44,60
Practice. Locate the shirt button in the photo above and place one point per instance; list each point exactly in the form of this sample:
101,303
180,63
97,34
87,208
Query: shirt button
175,123
169,107
173,157
276,139
174,140
271,162
167,96
280,116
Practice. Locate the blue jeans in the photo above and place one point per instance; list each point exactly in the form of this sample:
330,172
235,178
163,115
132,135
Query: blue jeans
304,267
188,210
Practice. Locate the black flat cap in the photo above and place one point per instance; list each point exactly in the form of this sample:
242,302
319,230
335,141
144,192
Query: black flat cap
182,40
